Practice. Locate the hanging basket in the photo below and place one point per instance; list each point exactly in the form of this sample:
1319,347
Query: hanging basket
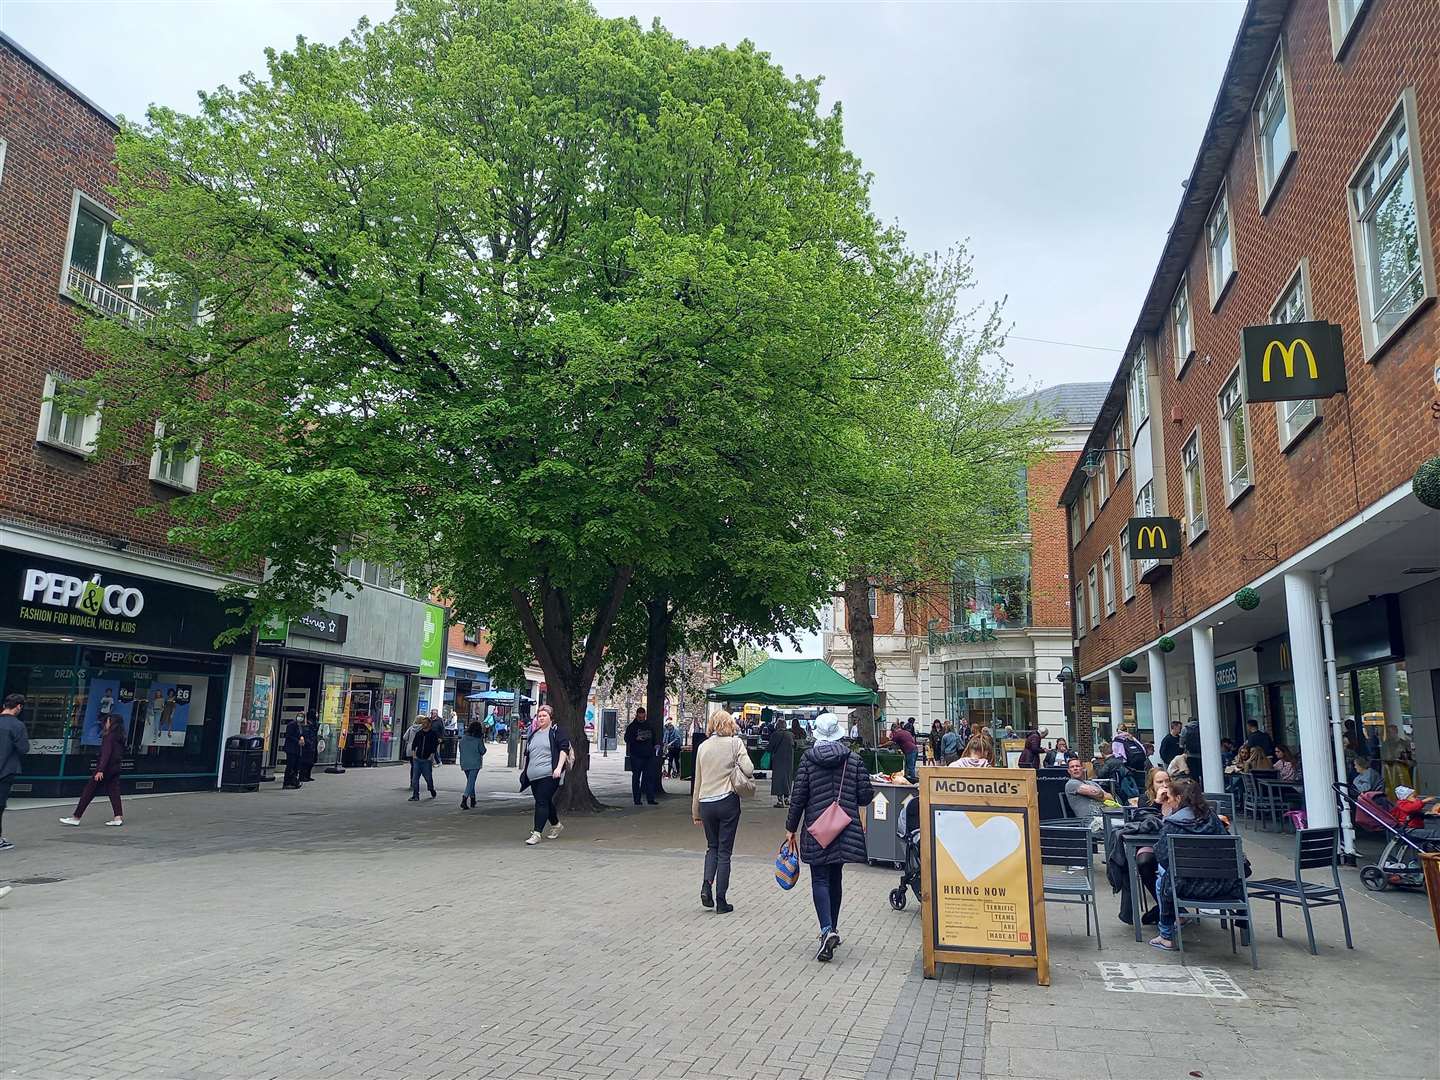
1166,644
1128,665
1427,483
1247,599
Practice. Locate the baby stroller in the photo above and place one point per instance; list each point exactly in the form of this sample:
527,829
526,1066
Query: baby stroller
1399,862
907,826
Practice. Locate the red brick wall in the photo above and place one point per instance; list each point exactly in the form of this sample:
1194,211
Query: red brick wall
56,144
1369,441
457,643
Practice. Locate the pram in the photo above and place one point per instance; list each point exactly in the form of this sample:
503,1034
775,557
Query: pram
1399,862
907,827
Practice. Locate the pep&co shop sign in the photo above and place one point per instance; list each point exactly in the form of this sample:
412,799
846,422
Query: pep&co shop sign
1292,361
75,600
983,890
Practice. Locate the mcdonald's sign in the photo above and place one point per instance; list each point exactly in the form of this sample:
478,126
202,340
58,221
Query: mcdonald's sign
1292,361
1153,537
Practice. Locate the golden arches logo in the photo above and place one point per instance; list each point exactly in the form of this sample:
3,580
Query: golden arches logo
1145,537
1287,357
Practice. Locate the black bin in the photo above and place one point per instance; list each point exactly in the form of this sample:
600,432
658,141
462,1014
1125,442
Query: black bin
449,748
240,767
357,748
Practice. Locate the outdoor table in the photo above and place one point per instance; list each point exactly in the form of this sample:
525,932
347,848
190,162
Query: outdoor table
1132,845
1271,789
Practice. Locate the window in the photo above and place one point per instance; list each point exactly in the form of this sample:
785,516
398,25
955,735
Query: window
1219,248
874,604
1145,507
1107,574
995,692
992,591
376,575
1139,393
1088,494
1234,438
105,270
1180,325
1080,610
1121,457
1274,132
1074,523
1102,481
64,428
1127,570
176,465
469,635
2,160
1194,470
1092,595
1344,15
1292,418
1388,224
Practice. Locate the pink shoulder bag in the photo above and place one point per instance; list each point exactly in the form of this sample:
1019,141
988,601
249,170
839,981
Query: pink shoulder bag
835,820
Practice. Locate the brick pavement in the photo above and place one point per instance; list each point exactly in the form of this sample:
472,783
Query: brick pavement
341,931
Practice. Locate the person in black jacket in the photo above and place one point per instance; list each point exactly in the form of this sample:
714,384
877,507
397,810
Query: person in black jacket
310,750
423,752
1170,747
640,749
1188,814
14,745
294,751
830,773
107,772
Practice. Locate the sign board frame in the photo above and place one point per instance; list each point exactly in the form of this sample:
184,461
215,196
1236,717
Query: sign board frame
1148,528
1292,361
997,793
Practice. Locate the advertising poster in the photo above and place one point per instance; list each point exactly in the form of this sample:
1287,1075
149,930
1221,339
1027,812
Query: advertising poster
106,696
167,712
259,705
982,880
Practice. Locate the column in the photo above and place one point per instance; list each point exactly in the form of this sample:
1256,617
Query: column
1390,695
1207,707
1117,701
1307,661
1159,699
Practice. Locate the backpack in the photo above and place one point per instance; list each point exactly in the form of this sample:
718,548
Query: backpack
1134,754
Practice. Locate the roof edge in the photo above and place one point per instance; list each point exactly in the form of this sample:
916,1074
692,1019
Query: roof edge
51,74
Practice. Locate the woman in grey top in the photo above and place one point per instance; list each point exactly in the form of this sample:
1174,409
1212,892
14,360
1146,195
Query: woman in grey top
547,756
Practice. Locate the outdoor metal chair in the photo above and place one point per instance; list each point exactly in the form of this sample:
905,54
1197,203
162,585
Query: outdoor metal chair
1261,803
1194,857
1068,847
1223,803
1314,848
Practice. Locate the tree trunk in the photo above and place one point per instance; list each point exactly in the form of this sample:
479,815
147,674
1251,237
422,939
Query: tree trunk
862,648
569,707
658,617
247,698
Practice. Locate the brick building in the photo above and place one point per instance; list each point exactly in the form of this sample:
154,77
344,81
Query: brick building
98,611
988,646
1307,202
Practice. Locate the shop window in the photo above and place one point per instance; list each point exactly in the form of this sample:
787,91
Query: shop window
992,592
63,428
175,465
1234,438
996,693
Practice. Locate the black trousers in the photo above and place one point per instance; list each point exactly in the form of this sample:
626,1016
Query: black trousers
544,792
292,770
721,819
4,797
642,777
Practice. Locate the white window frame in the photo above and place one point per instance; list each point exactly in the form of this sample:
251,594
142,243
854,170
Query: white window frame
1213,273
189,478
101,297
1294,418
1074,520
3,147
1107,573
873,602
1137,392
1087,497
1404,110
1080,611
1236,482
89,425
1182,325
1341,32
1145,507
1195,523
1102,481
1092,594
1122,451
1127,570
1268,180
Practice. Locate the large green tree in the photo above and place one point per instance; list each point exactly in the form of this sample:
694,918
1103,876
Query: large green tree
527,298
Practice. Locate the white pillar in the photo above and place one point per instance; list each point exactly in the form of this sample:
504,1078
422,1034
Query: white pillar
1117,701
1207,707
1159,699
1306,661
1390,694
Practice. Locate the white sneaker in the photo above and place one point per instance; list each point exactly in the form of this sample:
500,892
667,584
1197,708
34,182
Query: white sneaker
116,821
69,821
5,891
555,832
534,839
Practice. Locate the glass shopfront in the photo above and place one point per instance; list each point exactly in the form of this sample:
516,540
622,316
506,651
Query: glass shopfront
172,704
996,692
354,702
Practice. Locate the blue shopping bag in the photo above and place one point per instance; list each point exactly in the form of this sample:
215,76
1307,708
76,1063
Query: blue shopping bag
787,866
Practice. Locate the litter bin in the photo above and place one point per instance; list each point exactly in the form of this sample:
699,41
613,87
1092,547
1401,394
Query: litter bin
449,747
240,767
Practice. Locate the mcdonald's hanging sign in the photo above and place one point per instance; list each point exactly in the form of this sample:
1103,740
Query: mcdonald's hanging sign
1153,537
1292,361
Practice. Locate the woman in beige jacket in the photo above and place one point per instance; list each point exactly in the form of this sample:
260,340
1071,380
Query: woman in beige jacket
715,805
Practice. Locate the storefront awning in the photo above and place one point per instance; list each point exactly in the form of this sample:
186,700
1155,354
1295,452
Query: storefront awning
794,682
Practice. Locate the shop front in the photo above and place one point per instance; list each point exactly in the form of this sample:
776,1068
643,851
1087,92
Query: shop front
80,641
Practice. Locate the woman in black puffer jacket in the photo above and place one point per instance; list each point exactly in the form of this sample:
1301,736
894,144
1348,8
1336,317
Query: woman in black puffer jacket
829,772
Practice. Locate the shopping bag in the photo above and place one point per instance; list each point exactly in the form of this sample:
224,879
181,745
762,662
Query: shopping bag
787,866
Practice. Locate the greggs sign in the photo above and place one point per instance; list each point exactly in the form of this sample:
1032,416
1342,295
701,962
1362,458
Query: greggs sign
1153,537
1292,361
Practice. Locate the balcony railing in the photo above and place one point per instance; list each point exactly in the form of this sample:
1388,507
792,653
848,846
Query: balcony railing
82,286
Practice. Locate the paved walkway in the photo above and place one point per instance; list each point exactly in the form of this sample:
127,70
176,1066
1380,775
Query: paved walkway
342,931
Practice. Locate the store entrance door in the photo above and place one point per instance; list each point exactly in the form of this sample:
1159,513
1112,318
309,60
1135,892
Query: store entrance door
299,695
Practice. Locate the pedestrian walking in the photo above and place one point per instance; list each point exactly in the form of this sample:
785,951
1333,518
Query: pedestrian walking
294,750
782,763
542,769
472,757
640,750
830,787
722,763
14,745
107,773
310,750
423,752
674,741
949,746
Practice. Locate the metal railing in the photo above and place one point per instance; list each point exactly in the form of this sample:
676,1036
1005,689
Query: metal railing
84,287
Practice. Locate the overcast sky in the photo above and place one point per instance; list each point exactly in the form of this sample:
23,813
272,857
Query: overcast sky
1053,137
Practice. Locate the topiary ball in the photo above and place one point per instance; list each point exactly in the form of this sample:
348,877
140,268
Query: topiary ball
1166,644
1128,665
1247,599
1427,483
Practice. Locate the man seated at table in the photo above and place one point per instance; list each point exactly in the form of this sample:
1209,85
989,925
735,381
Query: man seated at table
1084,798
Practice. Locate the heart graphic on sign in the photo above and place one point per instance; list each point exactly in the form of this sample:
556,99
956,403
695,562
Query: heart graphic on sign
976,850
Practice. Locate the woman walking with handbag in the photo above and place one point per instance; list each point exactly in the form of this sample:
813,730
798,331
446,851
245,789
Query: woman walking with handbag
723,773
107,773
830,787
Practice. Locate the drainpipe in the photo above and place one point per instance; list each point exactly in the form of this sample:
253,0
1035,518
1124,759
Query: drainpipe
1327,626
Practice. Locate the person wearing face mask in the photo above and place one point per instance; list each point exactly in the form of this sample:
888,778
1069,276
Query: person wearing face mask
14,745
